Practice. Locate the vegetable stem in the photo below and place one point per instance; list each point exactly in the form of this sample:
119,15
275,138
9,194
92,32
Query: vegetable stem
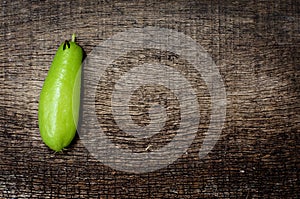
73,37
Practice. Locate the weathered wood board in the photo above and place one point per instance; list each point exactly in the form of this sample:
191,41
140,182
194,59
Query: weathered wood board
255,46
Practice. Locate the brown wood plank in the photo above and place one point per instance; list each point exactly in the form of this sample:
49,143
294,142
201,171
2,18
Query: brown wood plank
255,45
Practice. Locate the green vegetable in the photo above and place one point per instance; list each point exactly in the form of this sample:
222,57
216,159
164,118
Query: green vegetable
60,97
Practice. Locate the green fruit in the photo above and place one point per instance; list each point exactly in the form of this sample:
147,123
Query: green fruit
60,97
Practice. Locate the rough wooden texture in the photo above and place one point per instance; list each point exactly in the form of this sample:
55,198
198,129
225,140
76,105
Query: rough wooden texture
255,45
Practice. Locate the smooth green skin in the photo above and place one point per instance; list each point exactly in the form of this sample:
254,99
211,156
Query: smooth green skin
60,98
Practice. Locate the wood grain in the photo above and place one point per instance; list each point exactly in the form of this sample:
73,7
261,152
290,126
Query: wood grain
255,45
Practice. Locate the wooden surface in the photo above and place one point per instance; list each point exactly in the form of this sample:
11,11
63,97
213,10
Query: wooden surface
255,45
